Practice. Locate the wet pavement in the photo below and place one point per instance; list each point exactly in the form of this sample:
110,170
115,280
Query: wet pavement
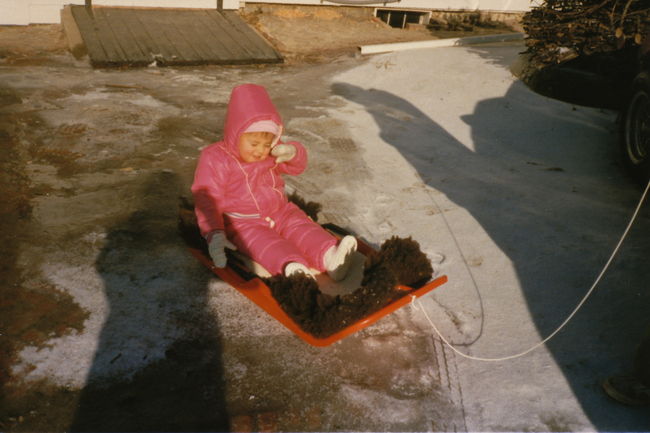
138,336
116,327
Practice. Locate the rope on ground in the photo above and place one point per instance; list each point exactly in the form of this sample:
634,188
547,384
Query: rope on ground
573,313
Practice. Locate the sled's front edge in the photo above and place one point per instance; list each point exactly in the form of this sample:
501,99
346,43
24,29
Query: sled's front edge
259,293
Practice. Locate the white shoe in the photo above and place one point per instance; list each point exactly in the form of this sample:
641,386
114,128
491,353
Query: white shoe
295,267
337,259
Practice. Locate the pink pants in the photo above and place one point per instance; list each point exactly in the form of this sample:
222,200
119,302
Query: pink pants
294,237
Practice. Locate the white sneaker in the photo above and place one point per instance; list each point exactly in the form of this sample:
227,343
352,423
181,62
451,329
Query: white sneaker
295,267
337,259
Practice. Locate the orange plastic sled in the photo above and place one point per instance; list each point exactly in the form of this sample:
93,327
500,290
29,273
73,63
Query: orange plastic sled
258,292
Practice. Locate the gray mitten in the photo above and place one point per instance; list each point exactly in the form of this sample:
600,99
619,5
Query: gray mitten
217,247
283,152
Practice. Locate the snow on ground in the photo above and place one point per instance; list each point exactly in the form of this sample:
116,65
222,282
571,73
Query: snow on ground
520,197
515,197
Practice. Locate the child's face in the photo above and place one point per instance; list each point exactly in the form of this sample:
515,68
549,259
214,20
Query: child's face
255,146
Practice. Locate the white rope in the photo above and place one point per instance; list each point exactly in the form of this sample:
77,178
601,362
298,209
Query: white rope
575,310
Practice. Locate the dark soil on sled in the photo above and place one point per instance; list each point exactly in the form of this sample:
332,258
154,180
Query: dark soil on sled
399,261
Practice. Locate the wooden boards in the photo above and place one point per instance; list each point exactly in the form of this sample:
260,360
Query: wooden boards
139,37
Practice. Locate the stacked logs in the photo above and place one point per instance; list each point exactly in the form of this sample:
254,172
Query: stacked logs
560,30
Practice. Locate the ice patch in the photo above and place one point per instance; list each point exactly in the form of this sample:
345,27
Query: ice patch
66,360
126,329
238,316
147,101
119,97
381,411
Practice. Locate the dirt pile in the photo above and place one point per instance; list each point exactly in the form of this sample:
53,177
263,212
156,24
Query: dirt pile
398,262
317,33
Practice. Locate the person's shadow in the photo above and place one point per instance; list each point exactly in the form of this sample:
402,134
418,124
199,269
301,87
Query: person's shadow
157,365
513,185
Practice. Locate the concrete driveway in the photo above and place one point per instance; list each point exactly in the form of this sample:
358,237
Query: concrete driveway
516,197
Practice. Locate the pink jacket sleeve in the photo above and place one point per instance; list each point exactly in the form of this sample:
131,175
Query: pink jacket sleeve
208,191
298,163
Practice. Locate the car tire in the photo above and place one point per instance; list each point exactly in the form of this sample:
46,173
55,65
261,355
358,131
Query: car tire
635,130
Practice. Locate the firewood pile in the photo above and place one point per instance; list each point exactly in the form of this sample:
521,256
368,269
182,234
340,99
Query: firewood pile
561,30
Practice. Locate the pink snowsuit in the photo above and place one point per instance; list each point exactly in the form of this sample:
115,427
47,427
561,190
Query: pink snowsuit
247,199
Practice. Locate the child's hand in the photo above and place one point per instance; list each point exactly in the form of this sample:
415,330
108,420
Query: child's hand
283,152
217,248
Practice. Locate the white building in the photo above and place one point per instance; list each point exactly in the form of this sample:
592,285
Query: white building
22,12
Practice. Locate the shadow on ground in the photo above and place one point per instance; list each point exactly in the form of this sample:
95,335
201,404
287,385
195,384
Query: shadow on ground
182,388
557,229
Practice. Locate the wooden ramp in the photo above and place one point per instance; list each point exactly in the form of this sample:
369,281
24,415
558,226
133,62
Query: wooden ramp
139,37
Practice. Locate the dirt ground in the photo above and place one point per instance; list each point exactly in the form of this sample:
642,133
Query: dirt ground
31,43
60,160
316,34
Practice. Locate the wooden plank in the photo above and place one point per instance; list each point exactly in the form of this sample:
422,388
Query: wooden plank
243,34
89,35
148,45
107,38
135,54
158,31
122,36
165,22
197,35
186,26
186,39
261,45
230,36
246,35
166,49
222,44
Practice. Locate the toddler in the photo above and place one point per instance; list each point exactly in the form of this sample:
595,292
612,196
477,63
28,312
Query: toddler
240,201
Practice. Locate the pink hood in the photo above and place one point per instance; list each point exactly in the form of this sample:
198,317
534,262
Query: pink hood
248,104
226,185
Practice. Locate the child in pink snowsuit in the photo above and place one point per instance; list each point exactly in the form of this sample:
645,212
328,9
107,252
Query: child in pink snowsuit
239,194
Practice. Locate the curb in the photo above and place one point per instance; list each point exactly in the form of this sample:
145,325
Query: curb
440,43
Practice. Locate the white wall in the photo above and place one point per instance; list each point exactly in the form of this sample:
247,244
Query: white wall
49,11
485,5
23,12
14,12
